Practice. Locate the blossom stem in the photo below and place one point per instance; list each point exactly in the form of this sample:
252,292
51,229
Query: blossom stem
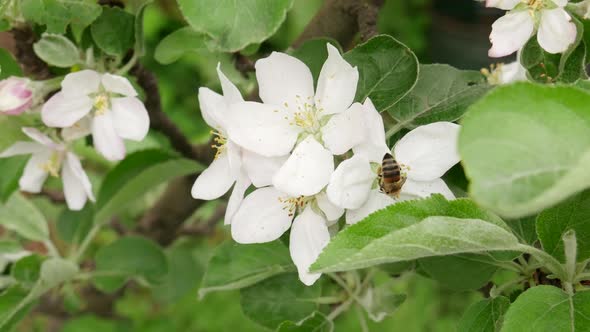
127,67
340,309
393,130
86,242
362,319
51,248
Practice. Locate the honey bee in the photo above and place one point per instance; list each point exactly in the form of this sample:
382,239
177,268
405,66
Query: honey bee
390,178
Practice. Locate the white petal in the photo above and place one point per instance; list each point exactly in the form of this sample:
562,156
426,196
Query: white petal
236,197
560,3
421,189
307,171
105,137
40,138
34,175
231,94
78,130
261,169
213,108
502,4
309,236
336,84
374,145
130,118
556,30
376,201
351,183
77,187
80,83
428,151
63,111
20,148
261,128
215,180
512,72
261,217
331,211
284,79
345,130
118,84
510,32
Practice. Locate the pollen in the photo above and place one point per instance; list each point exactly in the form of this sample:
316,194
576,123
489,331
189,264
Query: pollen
219,142
52,165
307,116
292,204
101,104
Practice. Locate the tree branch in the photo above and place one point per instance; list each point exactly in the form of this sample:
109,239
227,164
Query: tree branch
24,38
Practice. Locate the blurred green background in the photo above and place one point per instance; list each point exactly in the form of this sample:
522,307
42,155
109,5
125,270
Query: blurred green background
451,31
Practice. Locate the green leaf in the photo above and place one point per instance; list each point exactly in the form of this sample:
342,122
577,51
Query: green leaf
553,223
54,271
88,322
184,273
58,14
316,322
178,43
524,228
135,175
138,8
8,66
57,50
73,226
314,53
233,25
484,316
442,93
388,70
381,301
12,169
548,309
235,266
526,147
354,246
278,299
572,64
460,272
113,31
129,257
9,300
27,270
541,66
4,25
22,216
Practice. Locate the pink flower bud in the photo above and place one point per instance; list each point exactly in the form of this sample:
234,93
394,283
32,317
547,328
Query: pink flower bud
16,95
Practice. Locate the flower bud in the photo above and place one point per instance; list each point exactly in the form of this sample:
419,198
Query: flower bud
16,95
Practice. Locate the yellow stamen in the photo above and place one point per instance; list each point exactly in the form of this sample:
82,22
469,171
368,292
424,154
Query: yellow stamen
220,142
292,204
101,104
52,165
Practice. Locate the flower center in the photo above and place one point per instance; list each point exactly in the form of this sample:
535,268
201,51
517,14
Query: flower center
52,165
291,204
101,104
219,143
307,116
493,75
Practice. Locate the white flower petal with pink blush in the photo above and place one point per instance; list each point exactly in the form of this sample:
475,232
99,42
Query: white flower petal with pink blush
309,235
77,130
345,130
15,95
307,171
237,196
336,84
503,4
351,182
34,175
331,211
106,139
77,187
262,217
373,147
130,118
510,32
376,201
63,111
428,151
556,30
80,83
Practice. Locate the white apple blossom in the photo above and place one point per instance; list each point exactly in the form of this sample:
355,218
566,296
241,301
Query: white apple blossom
317,125
424,155
16,96
105,105
232,165
49,158
267,213
554,26
505,73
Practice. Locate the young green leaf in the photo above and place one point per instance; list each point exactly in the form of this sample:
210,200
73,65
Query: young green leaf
27,270
58,14
388,70
235,266
460,272
548,308
484,316
526,147
433,236
572,64
23,217
184,273
57,50
113,31
316,322
541,66
233,25
573,213
12,169
178,43
8,66
524,228
381,301
9,301
54,271
442,93
129,257
73,226
135,175
279,299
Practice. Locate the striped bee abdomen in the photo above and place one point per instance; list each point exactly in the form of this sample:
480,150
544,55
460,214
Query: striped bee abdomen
390,169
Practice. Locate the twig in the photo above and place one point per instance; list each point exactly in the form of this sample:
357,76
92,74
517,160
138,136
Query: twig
54,196
367,14
24,38
206,227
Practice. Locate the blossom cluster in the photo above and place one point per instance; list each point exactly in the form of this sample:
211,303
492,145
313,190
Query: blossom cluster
89,103
311,156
